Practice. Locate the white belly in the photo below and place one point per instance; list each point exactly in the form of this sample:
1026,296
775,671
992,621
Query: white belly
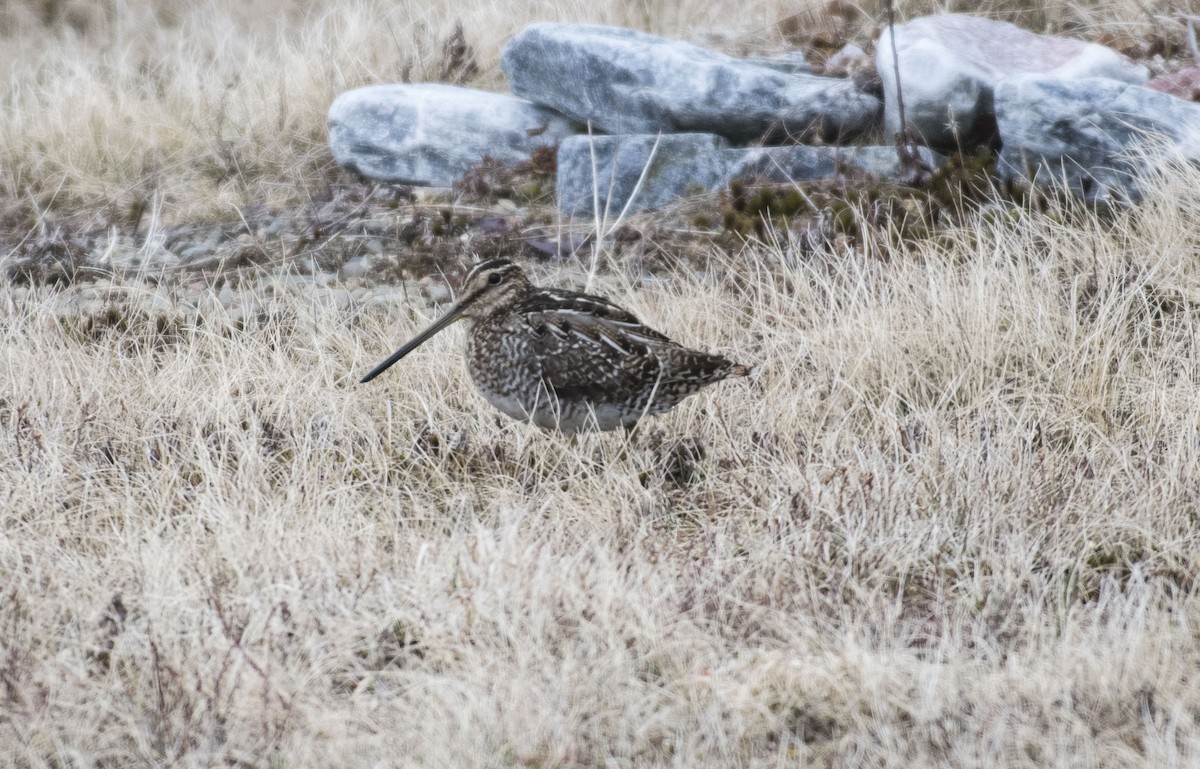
547,414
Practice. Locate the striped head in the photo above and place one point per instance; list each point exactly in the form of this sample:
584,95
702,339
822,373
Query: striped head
489,286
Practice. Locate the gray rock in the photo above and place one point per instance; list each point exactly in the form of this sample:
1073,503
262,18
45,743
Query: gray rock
357,268
203,248
680,165
799,163
431,134
629,82
1088,133
271,227
791,63
848,60
690,164
949,66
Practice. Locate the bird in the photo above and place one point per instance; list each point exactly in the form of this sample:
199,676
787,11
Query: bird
564,360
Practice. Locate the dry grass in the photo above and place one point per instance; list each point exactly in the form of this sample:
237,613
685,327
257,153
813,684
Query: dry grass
952,519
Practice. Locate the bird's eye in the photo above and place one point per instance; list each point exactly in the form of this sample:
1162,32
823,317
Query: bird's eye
495,278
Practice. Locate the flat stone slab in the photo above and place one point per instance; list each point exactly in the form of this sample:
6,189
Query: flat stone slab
801,163
431,134
949,66
675,166
792,63
1087,133
678,166
629,82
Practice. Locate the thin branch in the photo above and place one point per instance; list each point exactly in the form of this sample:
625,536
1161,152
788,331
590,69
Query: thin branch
913,170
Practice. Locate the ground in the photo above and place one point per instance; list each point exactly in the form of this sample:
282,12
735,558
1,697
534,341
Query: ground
950,520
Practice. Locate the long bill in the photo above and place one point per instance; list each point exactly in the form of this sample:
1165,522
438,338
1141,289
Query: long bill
416,341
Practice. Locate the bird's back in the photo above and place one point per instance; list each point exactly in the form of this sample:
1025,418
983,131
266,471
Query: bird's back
562,359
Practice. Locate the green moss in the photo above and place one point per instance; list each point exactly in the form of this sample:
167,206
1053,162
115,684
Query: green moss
529,181
963,180
844,217
737,195
793,203
737,222
762,202
531,192
872,209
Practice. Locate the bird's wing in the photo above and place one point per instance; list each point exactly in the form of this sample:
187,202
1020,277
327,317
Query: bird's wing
591,348
594,308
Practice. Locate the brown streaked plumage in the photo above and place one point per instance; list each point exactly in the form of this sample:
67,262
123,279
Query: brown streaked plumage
564,360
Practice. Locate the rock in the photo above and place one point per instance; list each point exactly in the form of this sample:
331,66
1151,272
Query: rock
791,63
436,291
356,269
1087,132
950,64
203,248
398,294
431,134
848,60
629,82
1183,83
270,227
155,255
800,163
336,296
680,165
690,164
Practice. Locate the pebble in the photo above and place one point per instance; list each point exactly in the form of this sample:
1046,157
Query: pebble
435,290
271,228
356,268
339,298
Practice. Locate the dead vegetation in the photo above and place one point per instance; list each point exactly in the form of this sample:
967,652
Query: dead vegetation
950,520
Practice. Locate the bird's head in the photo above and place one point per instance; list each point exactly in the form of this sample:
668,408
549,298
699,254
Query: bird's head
489,286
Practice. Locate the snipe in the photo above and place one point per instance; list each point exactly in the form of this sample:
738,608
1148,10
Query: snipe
564,360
